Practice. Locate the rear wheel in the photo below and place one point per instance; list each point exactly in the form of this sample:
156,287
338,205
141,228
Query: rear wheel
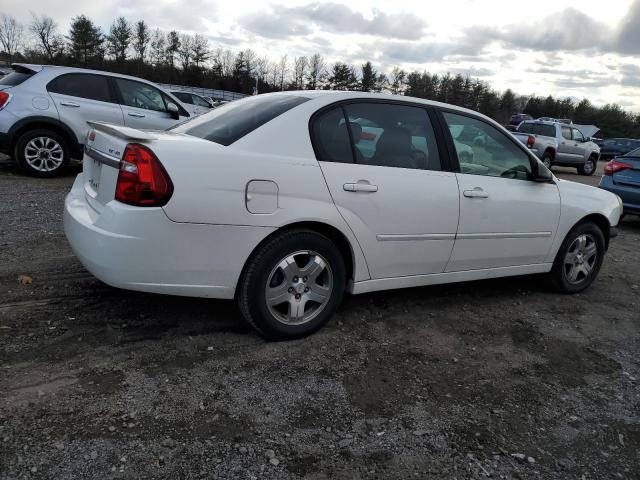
579,259
292,285
547,159
589,166
41,153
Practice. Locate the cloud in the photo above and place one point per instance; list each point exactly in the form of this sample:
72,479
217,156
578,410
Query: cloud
393,51
167,15
284,22
627,39
630,75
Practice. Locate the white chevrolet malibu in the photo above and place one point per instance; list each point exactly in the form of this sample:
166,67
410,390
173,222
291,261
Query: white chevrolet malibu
285,201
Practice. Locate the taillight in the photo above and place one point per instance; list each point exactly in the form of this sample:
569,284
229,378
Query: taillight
531,141
142,180
613,166
4,99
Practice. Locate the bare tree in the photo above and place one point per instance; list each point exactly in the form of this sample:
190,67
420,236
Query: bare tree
45,31
300,65
157,47
10,35
316,71
141,40
199,49
185,52
261,66
283,70
398,80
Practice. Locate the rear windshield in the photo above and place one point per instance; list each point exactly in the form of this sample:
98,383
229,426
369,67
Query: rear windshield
633,153
15,78
234,120
537,129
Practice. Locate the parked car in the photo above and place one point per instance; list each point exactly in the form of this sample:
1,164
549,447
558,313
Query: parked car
622,177
195,104
566,121
272,201
44,111
518,118
558,144
613,147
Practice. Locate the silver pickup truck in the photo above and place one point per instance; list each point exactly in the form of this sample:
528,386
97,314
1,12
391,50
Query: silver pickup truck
558,144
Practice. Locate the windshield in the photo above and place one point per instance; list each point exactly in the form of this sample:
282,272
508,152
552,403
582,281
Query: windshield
234,120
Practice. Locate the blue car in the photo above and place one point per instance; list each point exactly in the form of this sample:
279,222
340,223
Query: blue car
622,177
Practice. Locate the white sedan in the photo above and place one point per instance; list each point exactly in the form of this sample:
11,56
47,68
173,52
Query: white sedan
283,202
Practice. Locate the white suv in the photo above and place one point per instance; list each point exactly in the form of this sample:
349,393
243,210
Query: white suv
44,112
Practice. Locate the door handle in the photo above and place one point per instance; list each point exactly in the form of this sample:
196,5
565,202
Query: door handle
475,193
137,115
70,104
360,187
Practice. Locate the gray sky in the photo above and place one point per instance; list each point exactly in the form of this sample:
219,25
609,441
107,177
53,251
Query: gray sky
568,48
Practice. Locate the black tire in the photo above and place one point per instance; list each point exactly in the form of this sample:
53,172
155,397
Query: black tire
547,159
559,274
589,167
51,166
258,274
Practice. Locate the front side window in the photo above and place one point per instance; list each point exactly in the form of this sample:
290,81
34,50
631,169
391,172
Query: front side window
199,101
577,135
234,120
483,150
566,133
389,135
140,95
82,85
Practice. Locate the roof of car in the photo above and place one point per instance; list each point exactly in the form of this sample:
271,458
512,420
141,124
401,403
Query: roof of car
63,69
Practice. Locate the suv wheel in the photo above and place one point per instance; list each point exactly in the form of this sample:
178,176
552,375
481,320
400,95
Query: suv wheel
42,153
579,259
292,285
589,166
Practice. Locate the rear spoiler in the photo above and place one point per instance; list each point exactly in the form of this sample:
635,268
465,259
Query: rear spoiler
26,67
122,132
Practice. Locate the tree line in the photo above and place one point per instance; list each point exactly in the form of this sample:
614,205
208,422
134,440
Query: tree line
134,48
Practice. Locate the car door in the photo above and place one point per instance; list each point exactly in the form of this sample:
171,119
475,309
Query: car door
383,168
506,218
568,150
579,144
81,97
145,106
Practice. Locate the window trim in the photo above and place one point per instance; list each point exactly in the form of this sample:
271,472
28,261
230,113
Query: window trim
446,163
533,161
113,97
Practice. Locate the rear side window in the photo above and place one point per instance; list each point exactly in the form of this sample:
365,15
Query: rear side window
183,97
15,78
82,85
331,137
234,120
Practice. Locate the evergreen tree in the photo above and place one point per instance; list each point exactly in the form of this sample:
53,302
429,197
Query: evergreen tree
119,39
85,40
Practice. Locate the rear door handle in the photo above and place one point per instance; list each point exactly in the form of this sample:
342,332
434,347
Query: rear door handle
137,115
360,187
475,193
70,104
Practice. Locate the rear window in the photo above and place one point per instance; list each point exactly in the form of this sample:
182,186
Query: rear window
82,85
15,78
538,129
234,120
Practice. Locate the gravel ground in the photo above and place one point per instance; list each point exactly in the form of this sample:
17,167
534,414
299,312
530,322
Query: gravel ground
497,378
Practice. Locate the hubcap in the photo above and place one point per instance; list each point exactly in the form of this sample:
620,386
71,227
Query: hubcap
299,287
580,258
43,154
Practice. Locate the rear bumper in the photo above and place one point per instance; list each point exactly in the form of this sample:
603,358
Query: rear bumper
630,196
142,249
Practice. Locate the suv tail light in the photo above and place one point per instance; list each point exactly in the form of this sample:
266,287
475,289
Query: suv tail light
4,99
142,180
531,141
614,166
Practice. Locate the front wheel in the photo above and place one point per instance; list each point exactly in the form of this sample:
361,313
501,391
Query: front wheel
588,167
579,259
292,285
42,153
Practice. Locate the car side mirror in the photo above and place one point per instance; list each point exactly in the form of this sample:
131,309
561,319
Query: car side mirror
173,110
542,174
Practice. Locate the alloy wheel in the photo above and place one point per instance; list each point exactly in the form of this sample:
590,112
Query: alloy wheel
299,287
580,259
44,154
